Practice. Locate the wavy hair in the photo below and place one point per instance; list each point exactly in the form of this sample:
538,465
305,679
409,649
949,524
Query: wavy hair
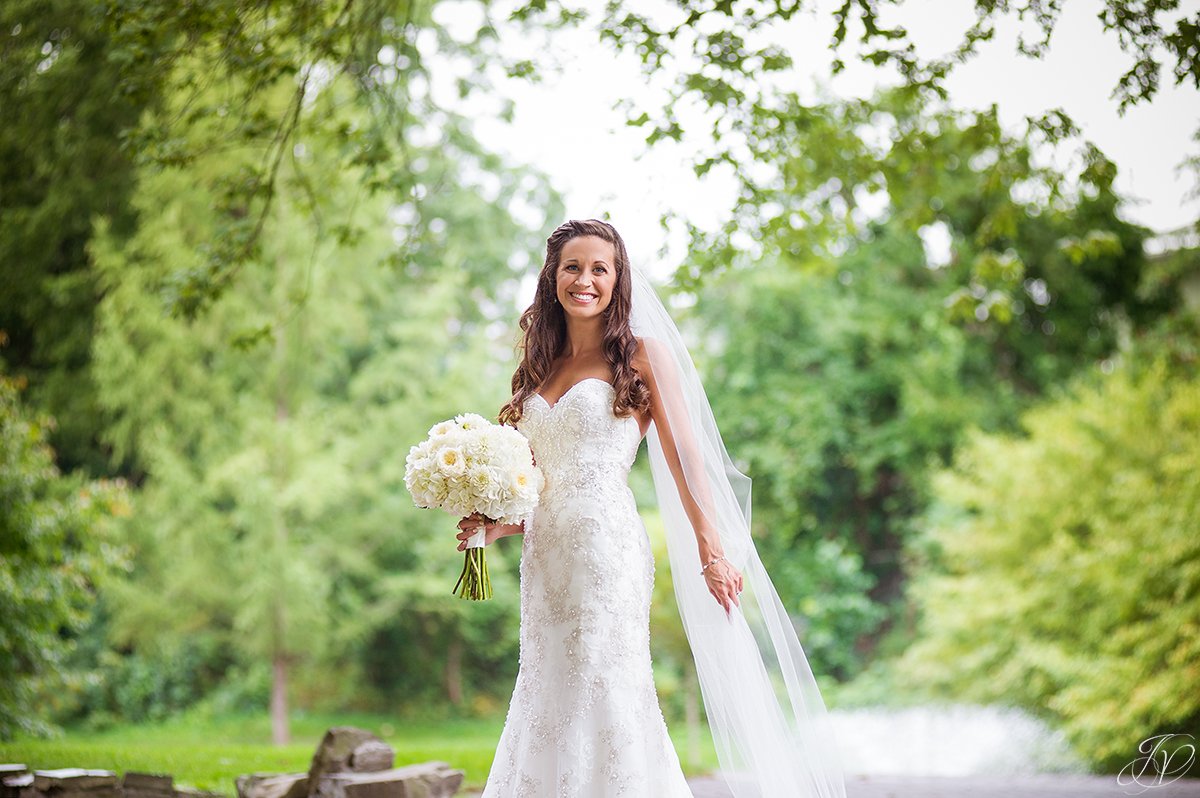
544,327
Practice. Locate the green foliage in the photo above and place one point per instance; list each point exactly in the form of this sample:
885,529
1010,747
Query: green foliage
97,93
257,261
1041,267
862,366
841,393
1065,565
59,165
107,686
718,52
272,520
56,547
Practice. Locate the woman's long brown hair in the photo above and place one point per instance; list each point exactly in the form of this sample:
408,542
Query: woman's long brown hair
544,327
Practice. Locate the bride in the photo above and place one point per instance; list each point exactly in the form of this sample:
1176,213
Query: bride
603,366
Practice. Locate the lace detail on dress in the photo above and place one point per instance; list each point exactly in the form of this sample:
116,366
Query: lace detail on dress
584,720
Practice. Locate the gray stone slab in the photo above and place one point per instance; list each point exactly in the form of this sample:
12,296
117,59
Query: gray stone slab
14,783
133,792
272,785
371,757
147,782
424,780
74,780
187,792
335,754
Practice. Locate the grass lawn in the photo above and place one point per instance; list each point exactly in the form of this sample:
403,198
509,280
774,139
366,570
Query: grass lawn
210,752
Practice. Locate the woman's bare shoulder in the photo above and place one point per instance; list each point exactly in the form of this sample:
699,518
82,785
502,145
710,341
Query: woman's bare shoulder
641,356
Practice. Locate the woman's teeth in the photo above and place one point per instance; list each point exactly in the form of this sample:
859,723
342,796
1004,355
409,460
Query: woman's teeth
583,299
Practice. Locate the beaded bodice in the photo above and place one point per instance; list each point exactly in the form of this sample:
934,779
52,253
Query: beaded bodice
579,441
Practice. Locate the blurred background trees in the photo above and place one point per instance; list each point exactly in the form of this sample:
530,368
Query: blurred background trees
247,261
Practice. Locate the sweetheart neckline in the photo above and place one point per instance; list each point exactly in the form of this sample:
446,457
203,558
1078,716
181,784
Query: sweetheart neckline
550,407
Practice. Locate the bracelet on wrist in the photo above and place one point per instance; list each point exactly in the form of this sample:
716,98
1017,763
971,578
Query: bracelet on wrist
711,562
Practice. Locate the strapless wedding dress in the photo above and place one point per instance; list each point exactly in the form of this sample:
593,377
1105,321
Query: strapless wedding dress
584,720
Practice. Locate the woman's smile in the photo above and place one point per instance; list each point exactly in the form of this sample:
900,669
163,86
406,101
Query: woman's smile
586,275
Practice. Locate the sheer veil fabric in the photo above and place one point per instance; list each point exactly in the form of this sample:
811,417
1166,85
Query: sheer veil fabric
768,721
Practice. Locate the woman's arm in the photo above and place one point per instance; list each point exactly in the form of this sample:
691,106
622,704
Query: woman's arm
686,462
680,448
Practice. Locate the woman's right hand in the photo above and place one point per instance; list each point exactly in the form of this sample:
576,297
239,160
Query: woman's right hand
470,524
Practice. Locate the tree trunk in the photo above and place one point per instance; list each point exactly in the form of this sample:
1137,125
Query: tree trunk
454,653
280,734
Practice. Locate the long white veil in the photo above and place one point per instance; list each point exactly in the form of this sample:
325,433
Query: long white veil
768,721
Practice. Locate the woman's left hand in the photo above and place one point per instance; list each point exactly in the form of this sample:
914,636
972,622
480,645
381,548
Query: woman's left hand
470,524
725,583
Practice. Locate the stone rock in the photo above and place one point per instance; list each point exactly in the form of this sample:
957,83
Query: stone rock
147,785
426,780
75,780
272,785
336,751
352,763
371,757
147,782
187,792
12,781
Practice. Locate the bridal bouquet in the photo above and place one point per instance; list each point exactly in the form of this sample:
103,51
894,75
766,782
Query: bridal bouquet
470,465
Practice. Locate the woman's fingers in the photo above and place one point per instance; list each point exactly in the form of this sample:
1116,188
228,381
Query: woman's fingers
729,583
472,522
723,597
469,525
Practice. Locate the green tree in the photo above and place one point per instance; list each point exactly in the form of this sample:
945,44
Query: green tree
1063,564
95,94
717,54
868,357
1038,259
840,394
60,166
273,515
56,549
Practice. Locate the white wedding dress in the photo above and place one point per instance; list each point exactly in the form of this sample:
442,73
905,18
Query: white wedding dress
584,721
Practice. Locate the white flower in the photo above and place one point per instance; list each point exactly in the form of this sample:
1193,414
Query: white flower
470,465
472,421
451,460
442,428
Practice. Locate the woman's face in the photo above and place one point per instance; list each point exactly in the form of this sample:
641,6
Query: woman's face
586,276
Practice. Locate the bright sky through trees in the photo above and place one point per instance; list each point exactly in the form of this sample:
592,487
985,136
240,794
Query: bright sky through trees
567,126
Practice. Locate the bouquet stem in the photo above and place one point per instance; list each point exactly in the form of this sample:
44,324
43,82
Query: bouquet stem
474,583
